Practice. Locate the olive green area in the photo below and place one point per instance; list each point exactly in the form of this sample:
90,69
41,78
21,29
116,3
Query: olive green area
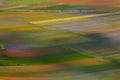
26,2
61,7
5,12
87,69
45,59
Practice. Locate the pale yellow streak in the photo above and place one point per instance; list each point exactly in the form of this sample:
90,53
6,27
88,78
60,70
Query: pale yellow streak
72,18
12,7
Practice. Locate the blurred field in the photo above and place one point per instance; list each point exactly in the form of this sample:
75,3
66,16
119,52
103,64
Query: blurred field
59,40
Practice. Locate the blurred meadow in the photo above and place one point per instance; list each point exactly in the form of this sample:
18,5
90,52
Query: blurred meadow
59,39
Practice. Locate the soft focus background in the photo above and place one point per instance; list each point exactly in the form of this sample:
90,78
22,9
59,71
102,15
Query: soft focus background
59,39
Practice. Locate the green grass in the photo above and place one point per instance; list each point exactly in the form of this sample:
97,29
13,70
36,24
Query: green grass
97,68
50,59
5,12
61,57
88,69
27,74
6,63
26,2
109,9
60,7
